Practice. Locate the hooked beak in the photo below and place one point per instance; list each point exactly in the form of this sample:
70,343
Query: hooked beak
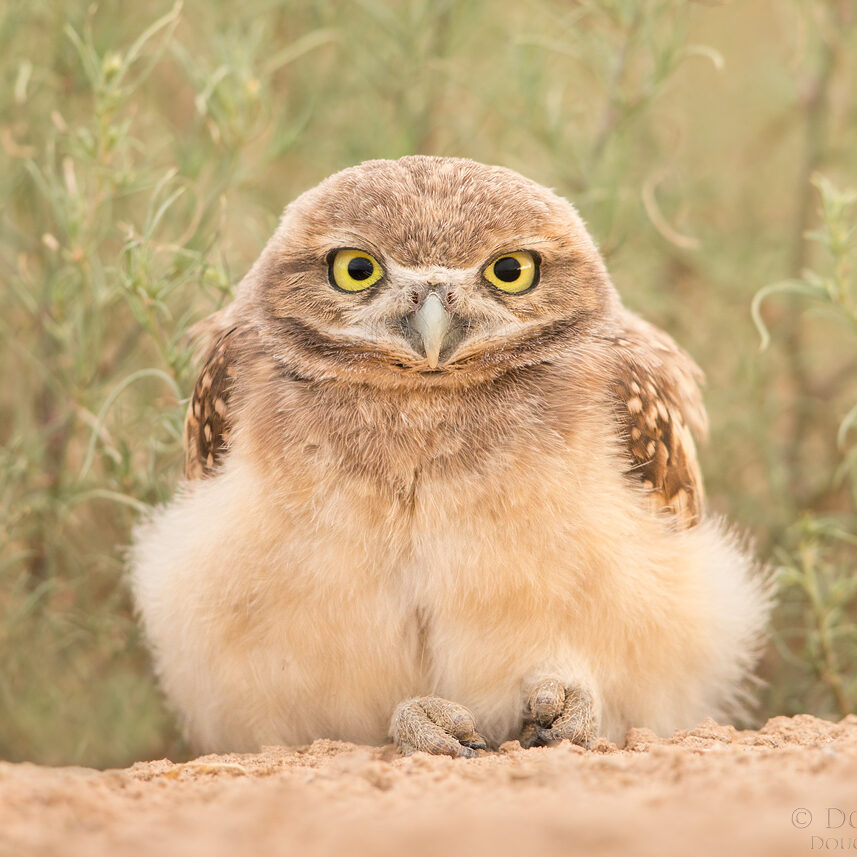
431,321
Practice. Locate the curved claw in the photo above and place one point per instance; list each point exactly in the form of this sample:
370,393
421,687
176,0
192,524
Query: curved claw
477,743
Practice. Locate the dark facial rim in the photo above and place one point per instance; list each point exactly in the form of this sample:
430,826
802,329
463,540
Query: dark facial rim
332,255
537,258
314,345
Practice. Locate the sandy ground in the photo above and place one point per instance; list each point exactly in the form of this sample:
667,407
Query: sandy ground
790,788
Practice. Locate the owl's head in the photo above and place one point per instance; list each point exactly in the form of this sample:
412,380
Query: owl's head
426,271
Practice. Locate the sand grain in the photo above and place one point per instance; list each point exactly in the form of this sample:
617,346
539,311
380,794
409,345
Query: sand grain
712,790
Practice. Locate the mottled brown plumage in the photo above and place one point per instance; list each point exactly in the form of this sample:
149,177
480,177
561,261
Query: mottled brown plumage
446,501
207,423
656,435
658,407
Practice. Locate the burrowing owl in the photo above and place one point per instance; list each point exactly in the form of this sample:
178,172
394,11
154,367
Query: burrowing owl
441,487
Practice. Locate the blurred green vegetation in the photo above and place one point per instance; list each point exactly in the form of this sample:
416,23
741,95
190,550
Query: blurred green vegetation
146,151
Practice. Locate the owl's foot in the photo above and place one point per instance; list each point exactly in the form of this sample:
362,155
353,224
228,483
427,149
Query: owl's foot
556,711
437,726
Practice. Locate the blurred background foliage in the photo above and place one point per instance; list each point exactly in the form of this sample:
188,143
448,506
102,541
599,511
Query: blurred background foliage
147,149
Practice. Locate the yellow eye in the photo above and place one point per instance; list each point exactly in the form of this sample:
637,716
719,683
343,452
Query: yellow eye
354,270
513,273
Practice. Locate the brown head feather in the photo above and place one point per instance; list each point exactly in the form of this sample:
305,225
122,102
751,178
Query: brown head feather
291,341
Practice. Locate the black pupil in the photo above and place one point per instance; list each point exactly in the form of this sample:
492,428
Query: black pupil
507,269
360,268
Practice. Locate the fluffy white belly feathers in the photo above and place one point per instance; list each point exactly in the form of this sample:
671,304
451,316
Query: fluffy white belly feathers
280,622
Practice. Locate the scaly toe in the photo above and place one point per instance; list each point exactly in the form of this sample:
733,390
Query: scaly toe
438,726
546,702
557,712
